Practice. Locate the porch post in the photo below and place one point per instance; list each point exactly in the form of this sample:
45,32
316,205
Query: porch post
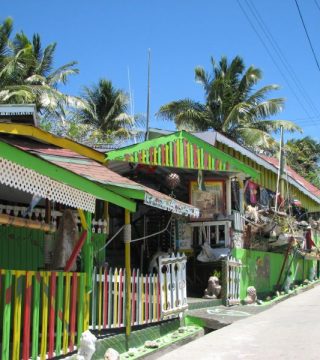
228,196
127,240
88,253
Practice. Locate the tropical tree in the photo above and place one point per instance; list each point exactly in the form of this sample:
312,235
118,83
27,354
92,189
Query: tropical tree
232,105
303,155
27,73
104,110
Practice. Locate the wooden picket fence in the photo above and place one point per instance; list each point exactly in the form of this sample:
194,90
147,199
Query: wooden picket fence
42,313
109,298
231,276
173,285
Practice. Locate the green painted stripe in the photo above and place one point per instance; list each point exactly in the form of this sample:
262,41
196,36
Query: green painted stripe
6,315
59,318
36,316
80,320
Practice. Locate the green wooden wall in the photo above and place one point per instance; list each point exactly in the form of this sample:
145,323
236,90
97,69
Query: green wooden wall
21,248
261,270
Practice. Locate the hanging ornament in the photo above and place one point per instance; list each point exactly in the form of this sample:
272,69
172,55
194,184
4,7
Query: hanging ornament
172,180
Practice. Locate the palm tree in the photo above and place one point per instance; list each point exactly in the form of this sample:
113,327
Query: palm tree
105,110
303,155
232,105
27,74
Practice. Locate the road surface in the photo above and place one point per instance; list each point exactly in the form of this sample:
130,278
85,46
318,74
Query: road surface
288,330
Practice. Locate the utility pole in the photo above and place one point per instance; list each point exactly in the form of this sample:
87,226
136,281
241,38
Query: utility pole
148,98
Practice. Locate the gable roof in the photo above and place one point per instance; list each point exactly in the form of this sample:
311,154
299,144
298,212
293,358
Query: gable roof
181,149
266,162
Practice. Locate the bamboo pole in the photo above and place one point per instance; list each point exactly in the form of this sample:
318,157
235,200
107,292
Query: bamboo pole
127,240
27,223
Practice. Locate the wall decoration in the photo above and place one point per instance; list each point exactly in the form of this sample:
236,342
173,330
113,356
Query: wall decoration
210,202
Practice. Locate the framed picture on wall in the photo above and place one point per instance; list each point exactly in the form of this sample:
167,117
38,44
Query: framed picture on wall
211,202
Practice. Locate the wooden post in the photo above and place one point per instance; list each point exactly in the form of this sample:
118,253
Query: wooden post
228,196
88,253
127,240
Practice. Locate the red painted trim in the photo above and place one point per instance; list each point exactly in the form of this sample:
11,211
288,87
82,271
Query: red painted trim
205,161
73,311
175,153
52,313
76,251
26,321
195,156
163,155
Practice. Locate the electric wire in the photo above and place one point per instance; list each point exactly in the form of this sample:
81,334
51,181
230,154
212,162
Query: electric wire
292,74
317,5
307,34
272,58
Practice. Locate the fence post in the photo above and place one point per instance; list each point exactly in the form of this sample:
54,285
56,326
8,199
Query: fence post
224,282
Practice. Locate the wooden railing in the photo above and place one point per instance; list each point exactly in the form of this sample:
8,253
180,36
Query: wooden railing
231,272
154,297
173,284
43,313
108,299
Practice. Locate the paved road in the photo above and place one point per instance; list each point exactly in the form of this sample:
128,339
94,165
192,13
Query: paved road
288,330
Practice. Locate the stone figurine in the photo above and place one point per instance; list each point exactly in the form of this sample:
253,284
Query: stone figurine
67,237
251,296
213,289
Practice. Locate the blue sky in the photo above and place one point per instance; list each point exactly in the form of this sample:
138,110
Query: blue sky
108,37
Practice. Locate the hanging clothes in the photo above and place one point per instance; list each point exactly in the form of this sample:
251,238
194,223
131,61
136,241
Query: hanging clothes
252,192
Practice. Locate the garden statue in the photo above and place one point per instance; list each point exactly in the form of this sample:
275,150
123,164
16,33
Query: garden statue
251,296
87,346
67,237
213,290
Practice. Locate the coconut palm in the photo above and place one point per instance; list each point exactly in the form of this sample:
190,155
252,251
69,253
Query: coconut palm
232,105
27,74
303,155
105,110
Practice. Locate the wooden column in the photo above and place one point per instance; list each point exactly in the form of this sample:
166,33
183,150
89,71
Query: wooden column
228,196
88,252
127,240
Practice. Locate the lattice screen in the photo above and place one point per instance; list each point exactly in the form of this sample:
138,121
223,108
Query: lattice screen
19,177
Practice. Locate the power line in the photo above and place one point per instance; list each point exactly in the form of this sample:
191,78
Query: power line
307,34
272,58
318,6
289,69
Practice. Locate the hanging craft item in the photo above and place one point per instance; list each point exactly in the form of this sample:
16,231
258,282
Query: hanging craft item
172,181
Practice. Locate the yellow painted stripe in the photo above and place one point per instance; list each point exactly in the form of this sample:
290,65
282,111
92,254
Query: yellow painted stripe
83,219
66,314
45,311
86,311
39,134
17,317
